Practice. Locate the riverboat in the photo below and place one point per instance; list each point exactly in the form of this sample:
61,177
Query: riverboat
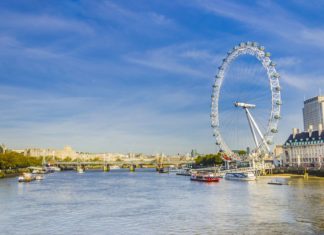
53,168
204,177
240,176
184,172
164,170
39,170
114,167
39,177
26,177
277,182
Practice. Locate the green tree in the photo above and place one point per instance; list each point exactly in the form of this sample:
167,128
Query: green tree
209,160
13,160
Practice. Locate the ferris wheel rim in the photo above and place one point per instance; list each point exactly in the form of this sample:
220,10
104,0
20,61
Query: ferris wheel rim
253,49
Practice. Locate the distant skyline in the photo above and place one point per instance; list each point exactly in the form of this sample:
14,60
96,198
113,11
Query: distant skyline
136,76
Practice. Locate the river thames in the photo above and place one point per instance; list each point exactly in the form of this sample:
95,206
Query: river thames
145,202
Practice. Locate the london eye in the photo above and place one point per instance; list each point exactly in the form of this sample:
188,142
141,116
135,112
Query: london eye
246,101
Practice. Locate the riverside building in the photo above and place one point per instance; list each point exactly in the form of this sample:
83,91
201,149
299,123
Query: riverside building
304,149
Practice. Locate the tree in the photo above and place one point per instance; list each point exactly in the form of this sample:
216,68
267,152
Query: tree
209,160
13,160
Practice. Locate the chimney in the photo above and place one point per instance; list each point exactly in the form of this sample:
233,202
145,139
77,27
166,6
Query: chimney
295,131
320,129
310,130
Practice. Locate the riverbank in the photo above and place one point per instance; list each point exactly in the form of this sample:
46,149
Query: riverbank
291,176
12,173
298,171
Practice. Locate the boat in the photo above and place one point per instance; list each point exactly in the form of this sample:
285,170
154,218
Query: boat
53,168
39,177
277,182
173,169
184,172
26,177
80,170
163,170
40,170
114,167
204,177
240,176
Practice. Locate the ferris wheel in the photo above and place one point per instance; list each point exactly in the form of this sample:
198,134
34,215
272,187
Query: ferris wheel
262,138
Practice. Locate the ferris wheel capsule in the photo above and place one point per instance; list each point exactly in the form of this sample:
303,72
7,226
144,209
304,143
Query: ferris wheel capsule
274,130
278,102
261,48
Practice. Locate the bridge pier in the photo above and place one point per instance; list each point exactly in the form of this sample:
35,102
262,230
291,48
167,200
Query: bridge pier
106,168
132,168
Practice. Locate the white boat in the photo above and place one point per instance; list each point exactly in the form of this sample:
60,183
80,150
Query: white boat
277,182
80,170
54,168
114,167
185,172
241,176
26,177
174,169
39,177
43,170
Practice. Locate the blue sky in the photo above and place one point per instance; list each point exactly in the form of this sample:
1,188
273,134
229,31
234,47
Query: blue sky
136,76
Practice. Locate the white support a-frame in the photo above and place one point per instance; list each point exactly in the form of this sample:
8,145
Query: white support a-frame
253,125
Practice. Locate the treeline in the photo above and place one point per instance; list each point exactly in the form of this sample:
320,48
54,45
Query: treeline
13,160
209,160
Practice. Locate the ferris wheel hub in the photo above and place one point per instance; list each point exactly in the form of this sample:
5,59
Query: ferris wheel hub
244,105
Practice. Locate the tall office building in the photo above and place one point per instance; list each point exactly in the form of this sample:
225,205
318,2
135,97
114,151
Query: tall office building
313,113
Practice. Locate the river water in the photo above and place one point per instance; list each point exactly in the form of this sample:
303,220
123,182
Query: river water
145,202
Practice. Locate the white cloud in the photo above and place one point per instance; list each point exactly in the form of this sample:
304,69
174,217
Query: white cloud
42,23
269,17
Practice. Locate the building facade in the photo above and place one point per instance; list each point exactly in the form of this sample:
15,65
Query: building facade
67,151
313,113
304,149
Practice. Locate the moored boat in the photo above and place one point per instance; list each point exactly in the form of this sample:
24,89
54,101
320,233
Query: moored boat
240,176
277,182
53,168
39,177
26,177
163,170
204,177
184,172
114,167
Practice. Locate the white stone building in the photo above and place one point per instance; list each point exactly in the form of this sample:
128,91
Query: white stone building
304,149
